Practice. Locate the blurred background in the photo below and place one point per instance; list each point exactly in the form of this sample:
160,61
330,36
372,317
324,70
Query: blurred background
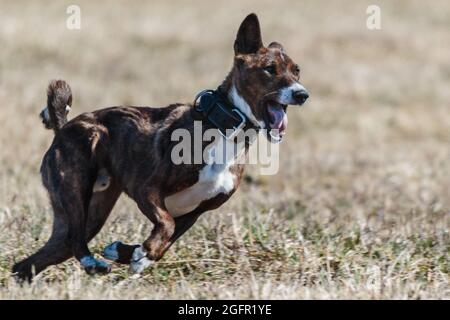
361,205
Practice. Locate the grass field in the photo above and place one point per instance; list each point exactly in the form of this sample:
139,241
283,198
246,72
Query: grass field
361,206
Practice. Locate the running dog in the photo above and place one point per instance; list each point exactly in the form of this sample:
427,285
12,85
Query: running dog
99,155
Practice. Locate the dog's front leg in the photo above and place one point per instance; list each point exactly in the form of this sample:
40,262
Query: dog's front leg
141,256
123,253
154,247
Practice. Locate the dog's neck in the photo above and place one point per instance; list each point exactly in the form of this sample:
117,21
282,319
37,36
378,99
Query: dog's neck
228,89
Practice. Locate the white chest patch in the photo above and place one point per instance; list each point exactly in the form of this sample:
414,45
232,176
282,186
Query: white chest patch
214,178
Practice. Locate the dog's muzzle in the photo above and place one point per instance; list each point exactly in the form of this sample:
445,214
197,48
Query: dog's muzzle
300,96
294,94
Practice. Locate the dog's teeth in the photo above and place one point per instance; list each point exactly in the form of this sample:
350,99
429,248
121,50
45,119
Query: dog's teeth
276,138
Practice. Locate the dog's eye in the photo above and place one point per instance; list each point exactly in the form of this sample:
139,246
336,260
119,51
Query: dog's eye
270,70
296,71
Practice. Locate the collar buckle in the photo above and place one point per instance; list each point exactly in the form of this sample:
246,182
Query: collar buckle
228,119
236,129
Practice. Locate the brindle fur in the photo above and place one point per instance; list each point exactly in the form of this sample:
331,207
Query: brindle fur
133,145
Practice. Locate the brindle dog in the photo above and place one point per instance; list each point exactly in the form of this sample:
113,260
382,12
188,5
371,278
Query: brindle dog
99,155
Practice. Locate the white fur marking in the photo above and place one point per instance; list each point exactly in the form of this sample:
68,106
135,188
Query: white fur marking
214,178
68,109
139,261
243,106
46,114
110,252
286,97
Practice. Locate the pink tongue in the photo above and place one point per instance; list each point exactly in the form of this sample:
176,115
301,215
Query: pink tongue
278,118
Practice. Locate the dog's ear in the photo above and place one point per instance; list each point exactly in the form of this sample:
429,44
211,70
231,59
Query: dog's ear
248,38
276,45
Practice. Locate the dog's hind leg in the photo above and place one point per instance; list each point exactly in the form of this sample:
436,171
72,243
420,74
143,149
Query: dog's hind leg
77,200
57,248
100,206
69,177
55,251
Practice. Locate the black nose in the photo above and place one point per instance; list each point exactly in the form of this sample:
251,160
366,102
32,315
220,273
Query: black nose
300,96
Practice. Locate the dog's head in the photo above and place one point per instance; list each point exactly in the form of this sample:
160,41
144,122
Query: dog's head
264,80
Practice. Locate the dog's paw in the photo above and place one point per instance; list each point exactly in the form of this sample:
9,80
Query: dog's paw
119,252
139,261
111,252
22,272
94,266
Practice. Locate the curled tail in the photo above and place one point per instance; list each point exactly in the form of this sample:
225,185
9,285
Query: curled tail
59,101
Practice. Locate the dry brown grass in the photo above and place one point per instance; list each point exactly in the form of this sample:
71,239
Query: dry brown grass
361,206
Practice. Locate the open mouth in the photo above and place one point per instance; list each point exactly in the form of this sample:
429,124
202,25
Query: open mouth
276,120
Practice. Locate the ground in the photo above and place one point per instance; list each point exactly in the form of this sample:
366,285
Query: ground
361,205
